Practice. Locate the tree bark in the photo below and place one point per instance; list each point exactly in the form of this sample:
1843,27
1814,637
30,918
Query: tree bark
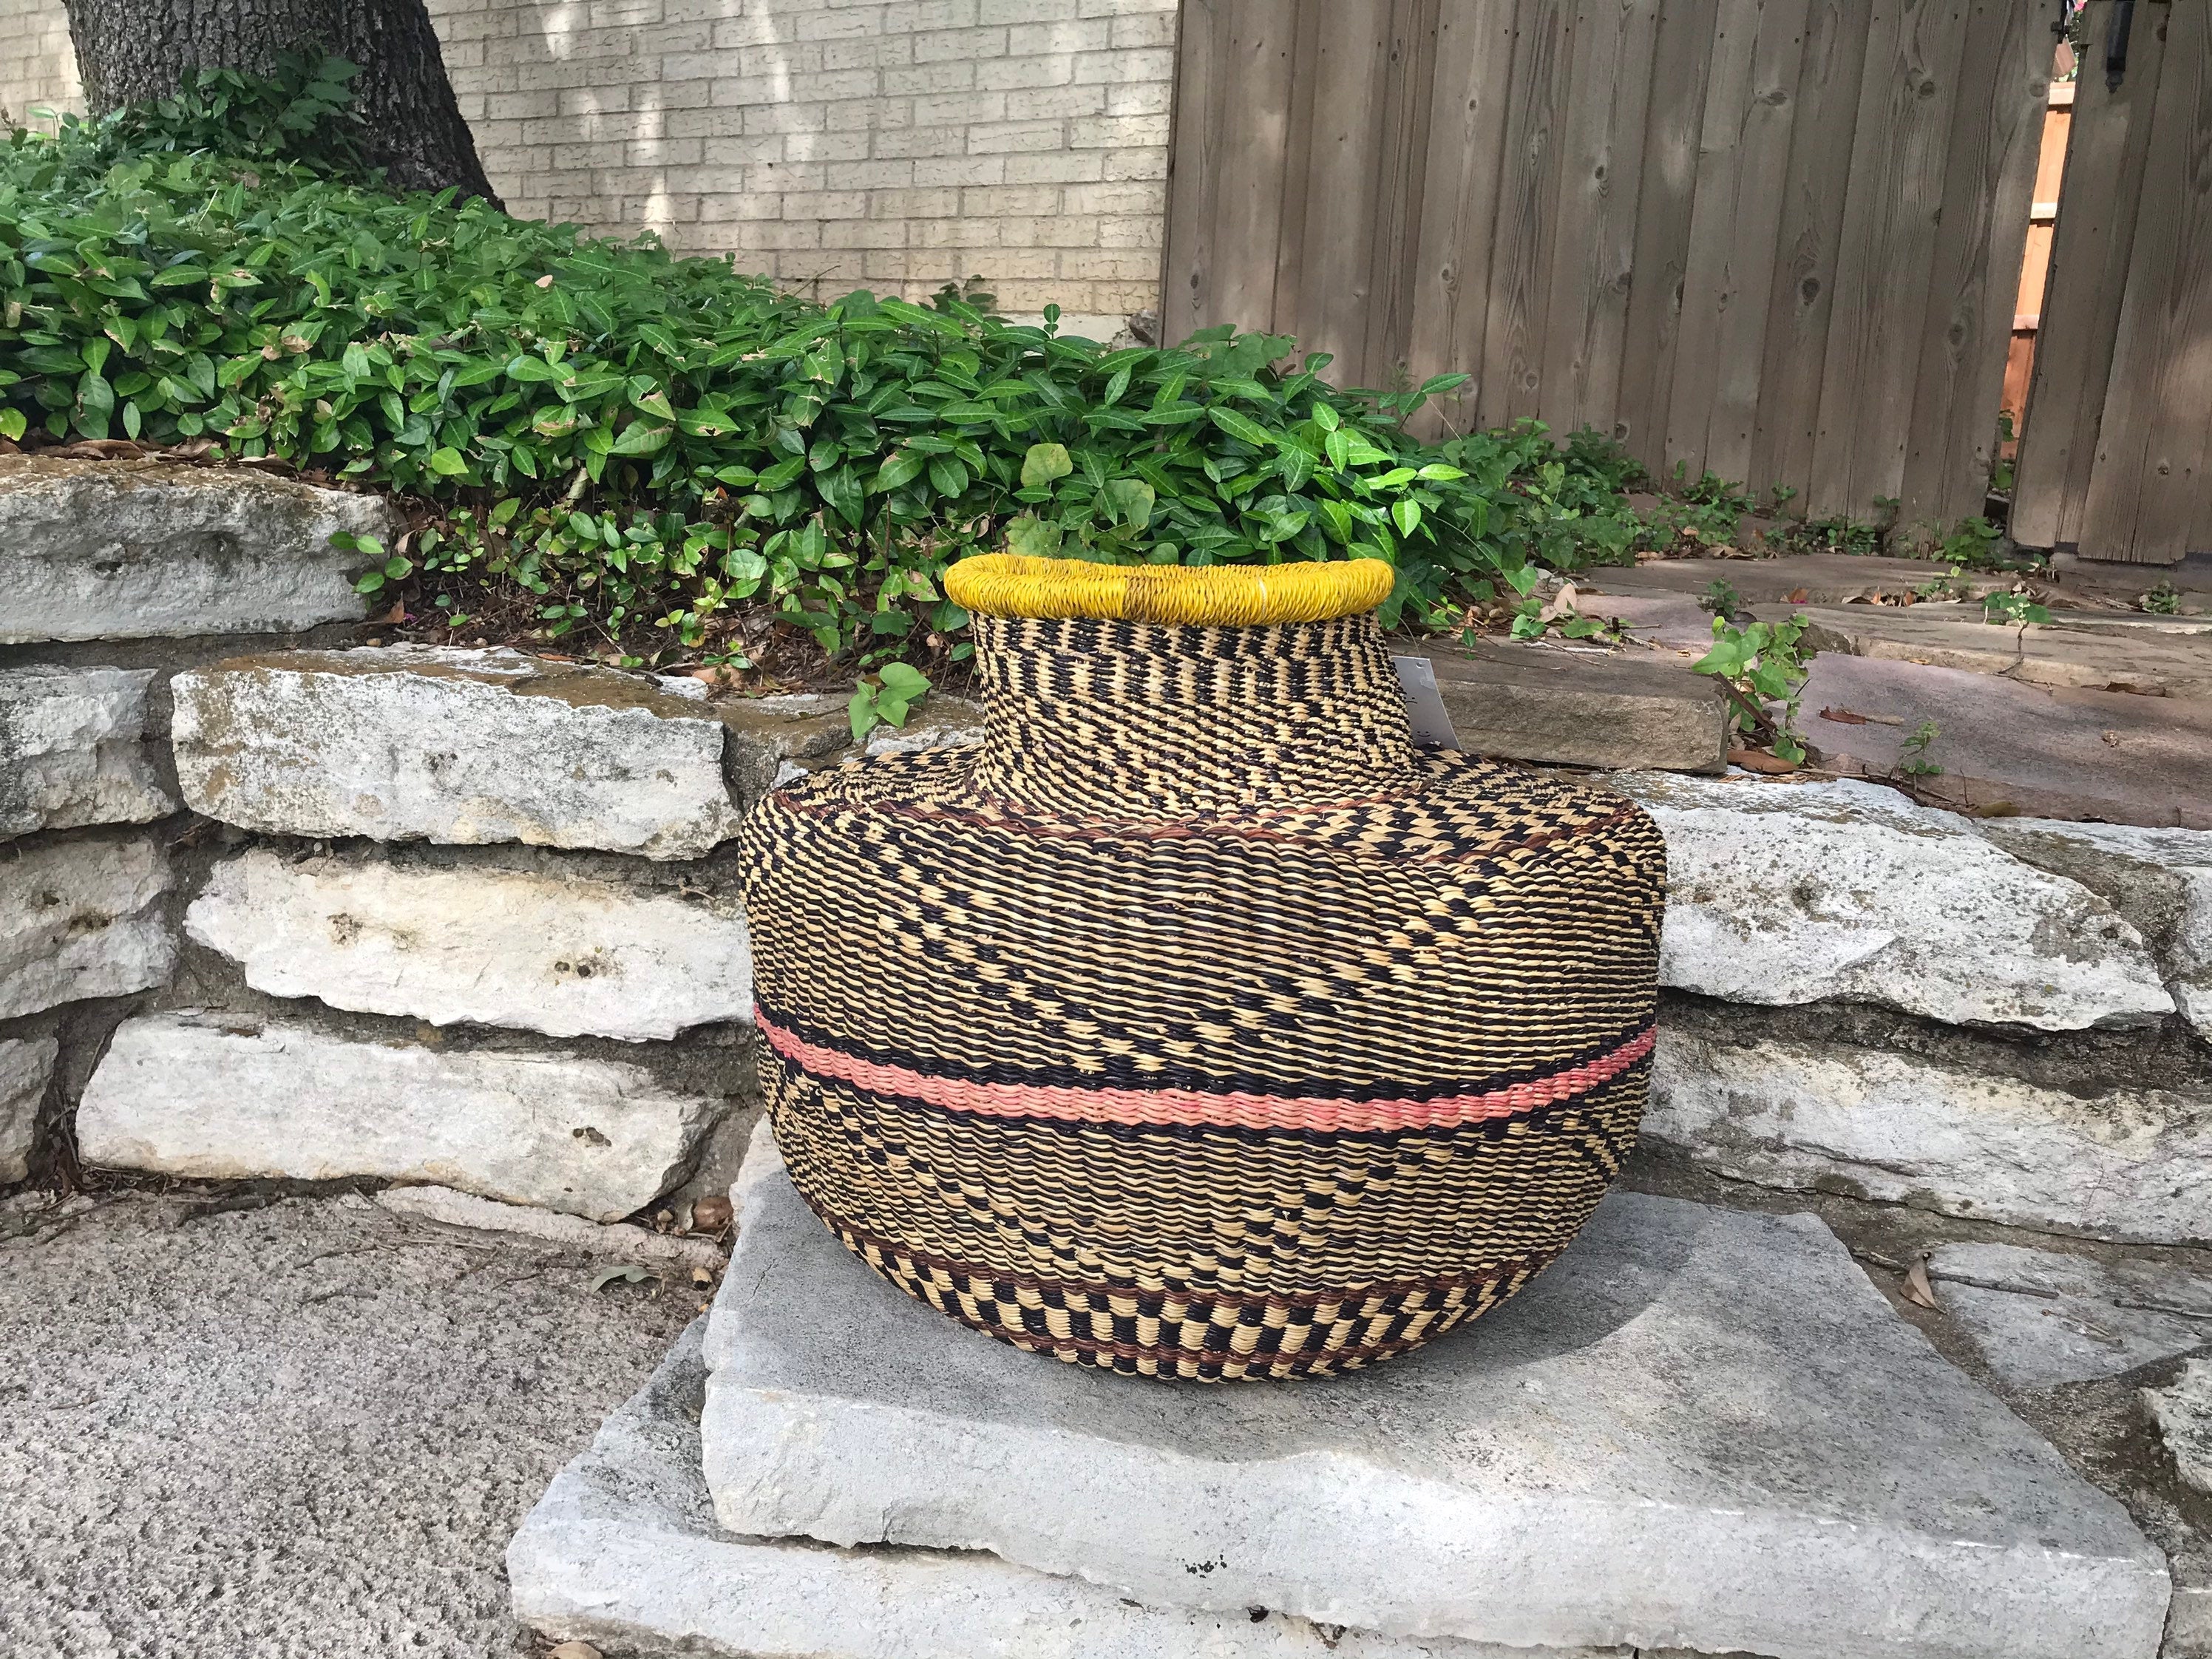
132,52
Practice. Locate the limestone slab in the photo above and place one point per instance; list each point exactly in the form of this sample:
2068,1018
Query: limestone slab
82,918
1793,893
2132,1164
566,955
73,749
217,1096
623,1551
618,1238
409,743
26,1064
136,549
2183,1412
1701,1429
2041,1317
1580,708
2160,879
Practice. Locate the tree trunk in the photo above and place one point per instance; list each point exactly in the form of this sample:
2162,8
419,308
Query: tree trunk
132,52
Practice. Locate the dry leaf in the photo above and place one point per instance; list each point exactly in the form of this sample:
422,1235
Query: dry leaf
1918,1290
632,1275
1758,760
1797,595
2111,739
1842,717
710,1215
546,281
700,1276
574,1649
396,615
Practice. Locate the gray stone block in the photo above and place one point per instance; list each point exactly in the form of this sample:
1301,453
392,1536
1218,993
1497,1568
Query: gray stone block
217,1096
409,743
1580,708
2184,1415
1793,893
134,550
82,918
1700,1429
2160,879
566,955
623,1551
2044,1317
73,750
2133,1164
26,1064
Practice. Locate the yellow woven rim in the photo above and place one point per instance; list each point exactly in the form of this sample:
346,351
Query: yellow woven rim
1211,596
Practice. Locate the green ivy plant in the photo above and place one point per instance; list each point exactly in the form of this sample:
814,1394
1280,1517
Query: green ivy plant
896,689
1758,664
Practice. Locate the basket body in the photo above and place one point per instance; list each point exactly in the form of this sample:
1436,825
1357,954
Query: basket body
1196,1025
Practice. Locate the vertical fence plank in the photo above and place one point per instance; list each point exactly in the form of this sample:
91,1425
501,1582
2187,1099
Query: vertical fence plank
1665,198
1996,135
1801,292
1755,239
1226,190
1594,247
1300,23
2090,251
1520,265
1743,158
1889,247
1459,212
2151,445
1400,185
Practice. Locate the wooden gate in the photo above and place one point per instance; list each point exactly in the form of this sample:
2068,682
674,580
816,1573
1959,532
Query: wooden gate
2113,452
1774,240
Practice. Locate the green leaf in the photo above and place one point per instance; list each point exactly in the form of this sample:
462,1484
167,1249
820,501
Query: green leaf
860,712
1132,502
447,463
947,476
1405,513
1240,427
641,438
1033,538
902,468
1044,463
903,680
632,1275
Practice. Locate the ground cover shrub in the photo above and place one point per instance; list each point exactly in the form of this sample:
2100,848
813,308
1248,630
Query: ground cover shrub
661,452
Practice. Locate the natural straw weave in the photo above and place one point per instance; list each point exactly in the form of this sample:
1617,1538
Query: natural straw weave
1196,1025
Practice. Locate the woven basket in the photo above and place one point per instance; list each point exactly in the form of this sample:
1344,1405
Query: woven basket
1197,1025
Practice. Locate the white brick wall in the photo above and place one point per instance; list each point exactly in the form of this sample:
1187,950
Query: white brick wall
831,144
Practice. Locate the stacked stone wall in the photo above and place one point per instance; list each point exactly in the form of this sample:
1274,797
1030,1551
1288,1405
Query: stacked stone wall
304,905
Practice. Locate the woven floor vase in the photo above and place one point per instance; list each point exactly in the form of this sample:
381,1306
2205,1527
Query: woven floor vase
1196,1024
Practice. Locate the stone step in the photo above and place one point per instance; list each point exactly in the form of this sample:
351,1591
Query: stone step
1569,707
623,1551
1702,1428
222,1096
140,550
73,749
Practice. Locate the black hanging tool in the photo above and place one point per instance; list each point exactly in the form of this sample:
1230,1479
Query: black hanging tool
2116,43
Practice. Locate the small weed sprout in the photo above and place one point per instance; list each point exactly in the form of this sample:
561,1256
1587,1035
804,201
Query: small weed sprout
2164,600
1913,762
1760,663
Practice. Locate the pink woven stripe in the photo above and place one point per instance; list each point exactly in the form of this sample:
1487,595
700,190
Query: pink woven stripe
1185,1106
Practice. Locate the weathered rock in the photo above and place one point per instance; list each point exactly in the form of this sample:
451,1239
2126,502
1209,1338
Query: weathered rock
409,743
26,1063
134,550
616,1238
941,722
2184,1415
2131,1165
1581,708
2157,662
1793,893
73,751
622,1551
215,1096
2160,879
2042,1317
82,918
566,955
1702,1428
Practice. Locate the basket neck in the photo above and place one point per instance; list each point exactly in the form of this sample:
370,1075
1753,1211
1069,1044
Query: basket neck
1159,720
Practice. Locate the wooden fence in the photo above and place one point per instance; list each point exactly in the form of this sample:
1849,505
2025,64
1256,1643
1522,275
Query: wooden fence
1775,239
2113,455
